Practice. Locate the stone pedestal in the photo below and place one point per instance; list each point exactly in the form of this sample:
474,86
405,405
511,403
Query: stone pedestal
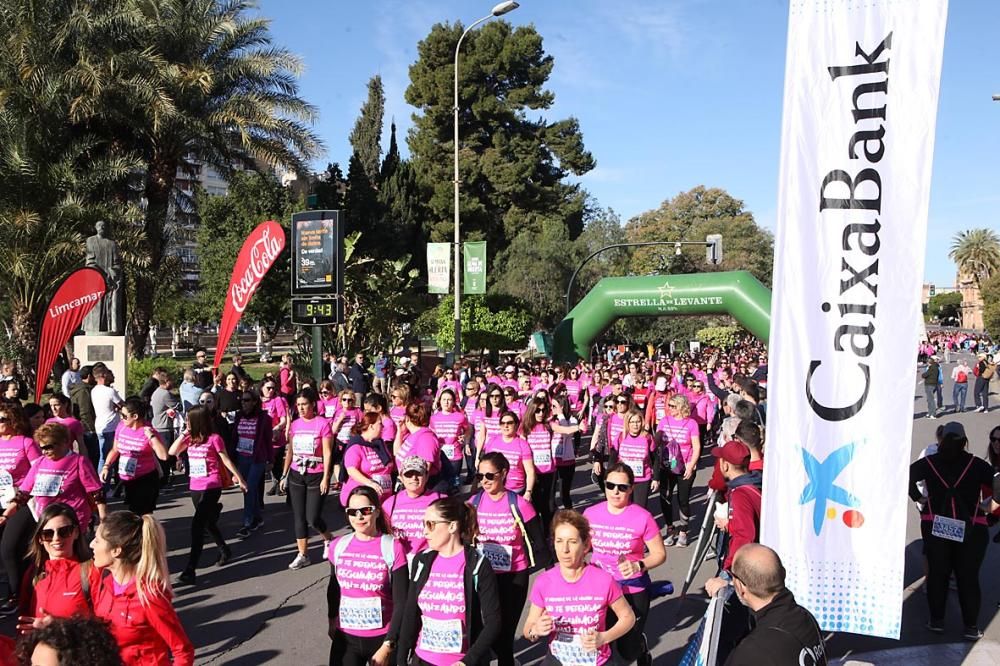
107,349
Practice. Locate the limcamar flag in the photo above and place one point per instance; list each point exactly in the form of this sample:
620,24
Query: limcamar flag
857,143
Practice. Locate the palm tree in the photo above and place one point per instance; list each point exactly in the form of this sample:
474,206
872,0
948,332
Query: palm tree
977,253
234,103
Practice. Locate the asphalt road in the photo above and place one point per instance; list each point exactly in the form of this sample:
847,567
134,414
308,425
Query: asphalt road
255,611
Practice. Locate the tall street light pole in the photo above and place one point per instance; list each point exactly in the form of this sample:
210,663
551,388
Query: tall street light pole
498,10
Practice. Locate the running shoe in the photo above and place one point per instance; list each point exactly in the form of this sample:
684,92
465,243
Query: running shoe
682,540
224,556
671,540
972,633
243,533
256,525
935,627
187,577
301,561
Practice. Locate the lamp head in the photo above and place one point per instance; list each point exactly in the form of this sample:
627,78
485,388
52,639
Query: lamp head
504,8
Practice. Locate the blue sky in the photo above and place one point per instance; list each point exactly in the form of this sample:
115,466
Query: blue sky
670,94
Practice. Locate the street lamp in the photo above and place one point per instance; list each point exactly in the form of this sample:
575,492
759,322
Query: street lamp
498,10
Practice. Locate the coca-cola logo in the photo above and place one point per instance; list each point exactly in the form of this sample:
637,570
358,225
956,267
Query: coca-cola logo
263,253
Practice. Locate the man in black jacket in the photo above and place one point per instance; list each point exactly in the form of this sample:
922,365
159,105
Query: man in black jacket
360,378
785,633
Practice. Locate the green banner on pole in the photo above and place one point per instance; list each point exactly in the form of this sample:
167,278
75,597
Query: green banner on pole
474,260
438,267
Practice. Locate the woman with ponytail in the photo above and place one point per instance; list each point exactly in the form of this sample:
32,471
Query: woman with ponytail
136,597
452,613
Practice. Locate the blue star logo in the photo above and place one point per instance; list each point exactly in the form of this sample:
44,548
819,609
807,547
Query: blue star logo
821,486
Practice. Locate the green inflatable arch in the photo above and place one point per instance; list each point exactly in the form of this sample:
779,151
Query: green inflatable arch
736,293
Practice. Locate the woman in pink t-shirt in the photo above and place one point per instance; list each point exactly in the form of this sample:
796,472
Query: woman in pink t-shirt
511,538
60,404
135,451
399,398
329,401
348,413
450,426
281,417
680,447
206,454
369,580
626,544
367,460
488,424
636,448
522,465
376,404
306,477
415,438
405,509
452,613
570,602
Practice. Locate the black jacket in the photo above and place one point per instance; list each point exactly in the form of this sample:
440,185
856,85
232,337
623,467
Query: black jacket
360,378
482,607
786,633
83,405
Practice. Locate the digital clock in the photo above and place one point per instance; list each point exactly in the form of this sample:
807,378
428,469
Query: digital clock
317,312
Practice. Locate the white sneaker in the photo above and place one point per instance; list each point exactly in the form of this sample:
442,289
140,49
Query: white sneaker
301,561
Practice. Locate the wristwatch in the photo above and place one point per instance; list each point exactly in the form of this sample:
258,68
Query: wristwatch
642,566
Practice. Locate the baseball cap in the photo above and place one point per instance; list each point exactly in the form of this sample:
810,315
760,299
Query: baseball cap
414,464
735,453
953,428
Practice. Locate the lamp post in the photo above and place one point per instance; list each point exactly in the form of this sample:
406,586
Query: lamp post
498,10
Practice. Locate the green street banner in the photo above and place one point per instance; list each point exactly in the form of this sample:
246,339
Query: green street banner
474,279
438,267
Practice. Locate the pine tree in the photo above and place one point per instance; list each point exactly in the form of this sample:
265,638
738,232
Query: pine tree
366,137
391,161
329,188
362,207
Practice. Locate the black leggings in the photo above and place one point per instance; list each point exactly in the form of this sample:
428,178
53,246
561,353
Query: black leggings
628,648
513,591
566,473
14,544
669,481
141,493
542,497
207,510
348,650
640,493
964,559
307,503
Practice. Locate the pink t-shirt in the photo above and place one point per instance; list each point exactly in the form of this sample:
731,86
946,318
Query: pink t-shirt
136,457
421,442
636,451
616,426
620,535
447,426
576,608
397,414
540,442
364,578
682,431
388,429
518,408
516,451
204,462
573,392
500,538
16,455
351,417
491,423
442,607
365,459
471,411
406,516
307,443
68,480
276,408
246,436
75,427
328,408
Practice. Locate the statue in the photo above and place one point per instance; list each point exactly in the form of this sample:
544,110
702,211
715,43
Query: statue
108,318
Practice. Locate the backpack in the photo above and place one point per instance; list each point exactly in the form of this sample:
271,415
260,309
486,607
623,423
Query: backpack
388,556
443,481
377,444
480,558
989,371
961,377
518,520
951,500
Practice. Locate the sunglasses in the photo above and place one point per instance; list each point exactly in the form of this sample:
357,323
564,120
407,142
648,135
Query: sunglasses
324,392
412,474
347,400
360,511
46,449
206,402
496,395
430,524
489,476
510,423
621,487
64,532
622,402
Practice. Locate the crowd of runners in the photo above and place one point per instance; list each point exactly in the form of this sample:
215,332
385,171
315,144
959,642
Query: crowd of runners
457,488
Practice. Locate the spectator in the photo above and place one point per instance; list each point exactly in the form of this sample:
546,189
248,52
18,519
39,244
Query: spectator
744,498
984,371
202,371
189,391
930,376
339,377
960,376
381,366
239,370
287,378
82,406
784,633
72,376
8,373
107,402
360,377
165,405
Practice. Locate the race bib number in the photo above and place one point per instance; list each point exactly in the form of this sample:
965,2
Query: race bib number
126,466
568,649
6,480
329,411
441,636
499,556
449,451
303,445
542,457
197,467
360,614
948,528
47,485
383,480
244,446
637,466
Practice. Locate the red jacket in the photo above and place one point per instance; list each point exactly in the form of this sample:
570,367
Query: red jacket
59,591
146,635
744,514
